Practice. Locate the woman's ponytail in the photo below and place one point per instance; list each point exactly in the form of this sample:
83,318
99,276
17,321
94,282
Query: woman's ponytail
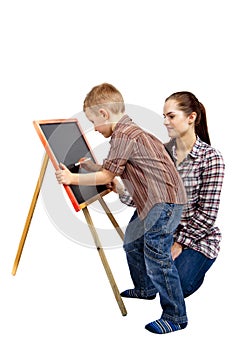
201,127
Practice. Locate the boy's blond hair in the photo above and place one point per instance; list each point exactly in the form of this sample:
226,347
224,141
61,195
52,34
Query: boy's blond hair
104,96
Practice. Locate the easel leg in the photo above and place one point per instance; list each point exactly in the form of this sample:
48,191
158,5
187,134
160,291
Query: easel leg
30,213
111,217
105,262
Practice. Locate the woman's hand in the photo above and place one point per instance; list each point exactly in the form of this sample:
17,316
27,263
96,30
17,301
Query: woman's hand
176,250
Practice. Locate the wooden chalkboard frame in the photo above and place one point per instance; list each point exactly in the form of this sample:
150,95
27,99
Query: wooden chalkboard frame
76,202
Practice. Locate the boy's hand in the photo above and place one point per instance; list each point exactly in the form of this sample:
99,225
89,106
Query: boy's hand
89,165
63,175
116,186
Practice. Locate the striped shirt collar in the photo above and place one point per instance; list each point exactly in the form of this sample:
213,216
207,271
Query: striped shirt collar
124,120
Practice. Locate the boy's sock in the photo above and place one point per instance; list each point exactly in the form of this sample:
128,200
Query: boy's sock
163,326
131,293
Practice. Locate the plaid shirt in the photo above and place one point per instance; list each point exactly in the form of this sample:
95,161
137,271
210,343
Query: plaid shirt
202,172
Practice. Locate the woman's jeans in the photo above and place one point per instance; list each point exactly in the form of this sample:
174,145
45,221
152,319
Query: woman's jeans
149,258
191,265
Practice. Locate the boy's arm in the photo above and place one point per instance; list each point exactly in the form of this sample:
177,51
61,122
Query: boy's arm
65,177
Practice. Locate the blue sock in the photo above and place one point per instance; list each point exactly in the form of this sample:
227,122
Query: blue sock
131,293
163,326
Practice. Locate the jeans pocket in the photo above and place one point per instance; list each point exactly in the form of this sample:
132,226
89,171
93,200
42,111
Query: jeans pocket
152,220
174,218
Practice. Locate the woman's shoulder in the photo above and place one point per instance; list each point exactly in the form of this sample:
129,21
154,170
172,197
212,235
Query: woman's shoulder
208,157
207,150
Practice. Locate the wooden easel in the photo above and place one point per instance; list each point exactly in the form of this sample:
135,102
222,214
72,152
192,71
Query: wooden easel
91,227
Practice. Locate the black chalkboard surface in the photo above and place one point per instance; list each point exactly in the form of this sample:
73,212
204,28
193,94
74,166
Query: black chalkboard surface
65,142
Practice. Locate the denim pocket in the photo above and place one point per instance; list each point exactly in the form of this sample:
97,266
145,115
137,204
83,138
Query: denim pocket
163,218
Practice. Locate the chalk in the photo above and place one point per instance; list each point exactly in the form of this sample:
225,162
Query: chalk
82,160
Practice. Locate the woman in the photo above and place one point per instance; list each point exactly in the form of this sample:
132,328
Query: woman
201,167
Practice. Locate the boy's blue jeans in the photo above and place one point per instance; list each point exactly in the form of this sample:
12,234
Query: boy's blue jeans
149,258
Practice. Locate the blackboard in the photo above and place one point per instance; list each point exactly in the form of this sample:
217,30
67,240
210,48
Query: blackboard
65,142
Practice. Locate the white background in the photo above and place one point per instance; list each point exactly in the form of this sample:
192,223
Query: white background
52,54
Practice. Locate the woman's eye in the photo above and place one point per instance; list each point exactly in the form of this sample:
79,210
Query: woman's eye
169,116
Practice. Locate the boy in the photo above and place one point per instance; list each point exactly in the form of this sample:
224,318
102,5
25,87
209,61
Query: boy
151,178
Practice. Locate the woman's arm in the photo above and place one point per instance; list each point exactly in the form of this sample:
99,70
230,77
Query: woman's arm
207,204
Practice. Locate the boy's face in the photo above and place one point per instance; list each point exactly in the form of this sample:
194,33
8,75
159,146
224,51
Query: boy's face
100,121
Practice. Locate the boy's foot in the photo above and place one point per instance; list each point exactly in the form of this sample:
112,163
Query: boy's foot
163,326
131,293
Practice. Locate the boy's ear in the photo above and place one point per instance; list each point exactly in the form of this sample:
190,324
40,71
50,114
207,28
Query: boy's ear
104,113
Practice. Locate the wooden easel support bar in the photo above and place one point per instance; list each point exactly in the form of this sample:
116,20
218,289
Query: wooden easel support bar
111,217
105,262
30,213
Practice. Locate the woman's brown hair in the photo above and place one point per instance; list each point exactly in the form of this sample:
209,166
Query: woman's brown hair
188,103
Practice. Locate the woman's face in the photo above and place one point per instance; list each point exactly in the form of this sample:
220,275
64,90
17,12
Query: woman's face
175,120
